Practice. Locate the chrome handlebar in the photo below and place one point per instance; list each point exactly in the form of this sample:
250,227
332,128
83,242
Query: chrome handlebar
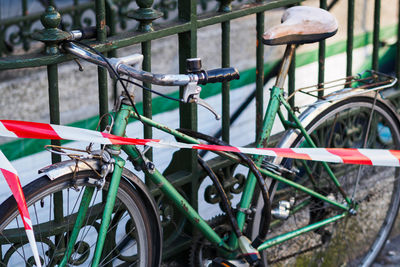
122,66
190,81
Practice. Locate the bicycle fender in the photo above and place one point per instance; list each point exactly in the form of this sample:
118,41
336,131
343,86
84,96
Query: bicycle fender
59,169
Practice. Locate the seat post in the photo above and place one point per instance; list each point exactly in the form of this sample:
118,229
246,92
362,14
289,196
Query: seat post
287,59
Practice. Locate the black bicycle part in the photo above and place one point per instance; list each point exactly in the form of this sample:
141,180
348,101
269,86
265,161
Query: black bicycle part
266,210
218,75
226,204
90,32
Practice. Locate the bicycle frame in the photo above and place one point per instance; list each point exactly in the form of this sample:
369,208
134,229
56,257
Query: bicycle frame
138,159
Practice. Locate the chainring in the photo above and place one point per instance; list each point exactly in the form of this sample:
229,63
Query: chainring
203,251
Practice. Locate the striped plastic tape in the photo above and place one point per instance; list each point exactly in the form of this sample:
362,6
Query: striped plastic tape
23,129
8,172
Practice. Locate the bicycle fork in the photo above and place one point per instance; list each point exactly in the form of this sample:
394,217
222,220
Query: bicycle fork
106,217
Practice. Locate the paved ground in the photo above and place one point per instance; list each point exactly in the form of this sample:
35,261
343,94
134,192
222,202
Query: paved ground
390,255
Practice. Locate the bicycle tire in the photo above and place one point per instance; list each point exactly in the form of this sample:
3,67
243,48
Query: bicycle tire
327,246
129,237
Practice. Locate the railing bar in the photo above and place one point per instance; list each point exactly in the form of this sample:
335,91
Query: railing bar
375,49
187,11
321,57
54,107
210,18
102,72
76,21
225,40
36,16
350,37
260,17
398,45
147,103
25,41
54,104
292,81
130,38
111,22
205,19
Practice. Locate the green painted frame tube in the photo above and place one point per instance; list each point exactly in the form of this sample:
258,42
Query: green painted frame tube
83,207
281,238
167,188
184,206
312,144
250,184
302,188
180,202
245,192
178,134
108,209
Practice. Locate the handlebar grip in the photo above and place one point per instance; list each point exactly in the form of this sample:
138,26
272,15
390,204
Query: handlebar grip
219,75
86,33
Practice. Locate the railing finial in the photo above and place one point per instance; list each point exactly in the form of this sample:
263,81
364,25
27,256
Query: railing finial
51,35
225,6
145,14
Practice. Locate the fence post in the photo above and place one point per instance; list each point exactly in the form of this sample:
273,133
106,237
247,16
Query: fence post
145,15
187,11
260,17
102,72
51,36
350,37
376,44
225,6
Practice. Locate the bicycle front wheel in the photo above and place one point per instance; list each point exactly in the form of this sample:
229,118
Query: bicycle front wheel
129,237
357,239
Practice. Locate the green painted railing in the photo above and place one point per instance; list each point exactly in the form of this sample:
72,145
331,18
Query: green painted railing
116,14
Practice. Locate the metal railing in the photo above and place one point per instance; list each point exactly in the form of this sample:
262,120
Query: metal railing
116,15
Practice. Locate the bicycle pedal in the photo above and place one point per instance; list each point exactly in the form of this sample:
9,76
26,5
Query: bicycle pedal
220,262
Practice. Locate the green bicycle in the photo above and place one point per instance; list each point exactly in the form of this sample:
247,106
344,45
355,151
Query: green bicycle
293,212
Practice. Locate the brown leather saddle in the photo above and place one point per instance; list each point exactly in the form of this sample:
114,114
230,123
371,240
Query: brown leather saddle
300,25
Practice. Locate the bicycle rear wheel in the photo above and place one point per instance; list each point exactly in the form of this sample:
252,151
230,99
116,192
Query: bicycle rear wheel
355,240
129,237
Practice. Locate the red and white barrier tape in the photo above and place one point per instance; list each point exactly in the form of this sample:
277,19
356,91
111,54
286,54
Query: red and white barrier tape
11,176
378,157
22,129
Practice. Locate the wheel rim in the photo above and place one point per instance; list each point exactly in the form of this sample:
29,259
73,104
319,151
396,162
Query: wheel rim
126,244
381,132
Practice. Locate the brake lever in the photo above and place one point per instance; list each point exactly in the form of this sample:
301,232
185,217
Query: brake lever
203,103
191,94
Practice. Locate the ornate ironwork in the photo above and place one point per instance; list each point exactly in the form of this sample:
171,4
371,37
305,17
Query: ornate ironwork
145,15
166,6
15,31
51,35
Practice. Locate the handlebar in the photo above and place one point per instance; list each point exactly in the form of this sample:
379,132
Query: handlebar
190,81
122,67
219,75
